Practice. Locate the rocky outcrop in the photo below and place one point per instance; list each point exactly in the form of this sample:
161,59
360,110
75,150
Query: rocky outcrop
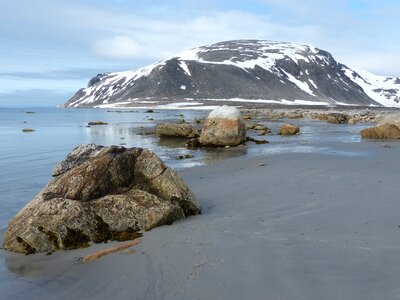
289,129
386,131
176,130
99,194
224,126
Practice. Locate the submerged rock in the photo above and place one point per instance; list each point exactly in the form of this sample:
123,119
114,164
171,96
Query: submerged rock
97,123
224,126
176,130
289,129
258,142
28,130
99,194
386,131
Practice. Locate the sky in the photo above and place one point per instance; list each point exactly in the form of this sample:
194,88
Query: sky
51,48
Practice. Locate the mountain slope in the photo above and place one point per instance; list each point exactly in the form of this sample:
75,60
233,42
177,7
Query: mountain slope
243,70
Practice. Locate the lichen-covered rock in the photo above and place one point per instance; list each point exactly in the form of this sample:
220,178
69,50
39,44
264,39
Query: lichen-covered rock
289,129
76,157
100,193
386,131
176,130
224,126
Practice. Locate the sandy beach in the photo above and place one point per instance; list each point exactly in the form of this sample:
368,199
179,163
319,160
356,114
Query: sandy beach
284,226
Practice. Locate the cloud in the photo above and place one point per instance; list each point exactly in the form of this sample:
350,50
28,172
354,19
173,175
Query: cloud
150,38
118,47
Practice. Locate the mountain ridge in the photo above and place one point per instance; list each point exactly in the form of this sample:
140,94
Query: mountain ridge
242,71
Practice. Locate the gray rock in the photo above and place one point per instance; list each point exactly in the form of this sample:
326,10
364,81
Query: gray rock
100,193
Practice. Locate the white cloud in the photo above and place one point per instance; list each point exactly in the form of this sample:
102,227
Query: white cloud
150,38
119,47
138,37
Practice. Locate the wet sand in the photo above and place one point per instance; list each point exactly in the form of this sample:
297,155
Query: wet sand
283,226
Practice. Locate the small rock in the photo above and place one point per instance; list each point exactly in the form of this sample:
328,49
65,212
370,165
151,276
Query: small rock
258,142
352,121
289,129
97,123
262,132
28,130
185,156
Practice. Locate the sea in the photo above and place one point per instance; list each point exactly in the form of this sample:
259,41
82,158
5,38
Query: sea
27,158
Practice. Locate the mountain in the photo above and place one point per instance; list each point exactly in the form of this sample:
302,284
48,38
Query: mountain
251,71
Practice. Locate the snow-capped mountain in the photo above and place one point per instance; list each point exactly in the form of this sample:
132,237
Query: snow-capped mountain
242,71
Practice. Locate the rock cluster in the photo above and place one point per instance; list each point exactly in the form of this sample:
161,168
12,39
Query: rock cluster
100,193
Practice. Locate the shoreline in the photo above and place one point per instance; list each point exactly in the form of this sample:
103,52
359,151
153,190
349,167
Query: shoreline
290,226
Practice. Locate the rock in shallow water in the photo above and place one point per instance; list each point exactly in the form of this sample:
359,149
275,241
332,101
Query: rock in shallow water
98,194
386,131
289,129
176,130
224,126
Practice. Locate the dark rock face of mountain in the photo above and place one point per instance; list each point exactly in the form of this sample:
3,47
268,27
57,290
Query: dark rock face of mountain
244,70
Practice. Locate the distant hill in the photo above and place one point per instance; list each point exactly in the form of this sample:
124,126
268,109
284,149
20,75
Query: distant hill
243,71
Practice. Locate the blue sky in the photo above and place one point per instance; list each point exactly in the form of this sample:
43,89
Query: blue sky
49,49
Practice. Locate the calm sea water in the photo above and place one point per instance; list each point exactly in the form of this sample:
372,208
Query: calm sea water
26,159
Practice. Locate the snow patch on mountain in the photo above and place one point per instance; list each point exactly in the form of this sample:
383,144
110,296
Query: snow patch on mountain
384,90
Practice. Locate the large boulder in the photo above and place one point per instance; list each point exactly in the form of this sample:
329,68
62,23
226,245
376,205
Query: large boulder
289,129
386,131
176,130
224,126
99,194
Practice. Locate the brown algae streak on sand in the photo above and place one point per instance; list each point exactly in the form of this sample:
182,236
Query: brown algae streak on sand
101,253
